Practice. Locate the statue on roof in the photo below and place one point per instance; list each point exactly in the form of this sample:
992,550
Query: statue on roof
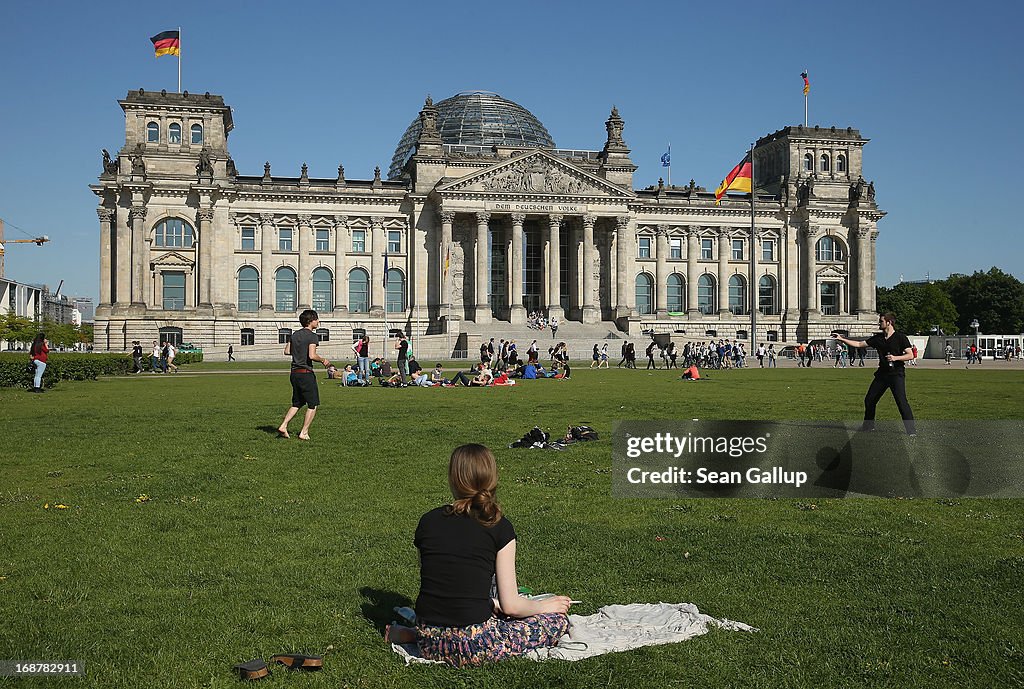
138,164
109,165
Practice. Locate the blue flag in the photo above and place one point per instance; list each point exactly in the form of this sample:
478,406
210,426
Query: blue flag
385,270
666,159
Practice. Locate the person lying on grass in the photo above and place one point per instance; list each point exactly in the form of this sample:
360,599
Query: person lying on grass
462,547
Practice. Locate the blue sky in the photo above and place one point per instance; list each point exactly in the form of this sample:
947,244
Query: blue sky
937,87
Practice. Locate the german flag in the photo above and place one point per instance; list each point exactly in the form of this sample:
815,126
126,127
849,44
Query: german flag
807,83
167,43
737,180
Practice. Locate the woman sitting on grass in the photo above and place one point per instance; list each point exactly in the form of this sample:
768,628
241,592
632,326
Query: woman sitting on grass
462,547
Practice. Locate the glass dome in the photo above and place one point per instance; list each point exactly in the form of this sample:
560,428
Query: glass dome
476,118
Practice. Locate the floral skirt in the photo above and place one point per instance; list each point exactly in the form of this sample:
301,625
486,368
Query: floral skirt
497,638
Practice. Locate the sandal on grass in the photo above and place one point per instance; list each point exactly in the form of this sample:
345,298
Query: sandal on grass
252,670
296,661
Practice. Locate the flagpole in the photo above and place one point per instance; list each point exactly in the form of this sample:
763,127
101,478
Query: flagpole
806,90
179,59
753,267
670,164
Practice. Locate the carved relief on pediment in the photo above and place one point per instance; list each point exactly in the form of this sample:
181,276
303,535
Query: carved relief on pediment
535,176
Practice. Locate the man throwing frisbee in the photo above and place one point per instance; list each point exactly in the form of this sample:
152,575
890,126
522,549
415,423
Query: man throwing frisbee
894,348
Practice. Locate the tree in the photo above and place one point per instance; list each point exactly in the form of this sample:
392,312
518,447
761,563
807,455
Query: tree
919,308
995,298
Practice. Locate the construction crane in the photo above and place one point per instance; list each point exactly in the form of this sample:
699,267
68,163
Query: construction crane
38,241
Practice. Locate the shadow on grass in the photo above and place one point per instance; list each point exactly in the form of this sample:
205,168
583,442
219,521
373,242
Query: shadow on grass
379,608
269,430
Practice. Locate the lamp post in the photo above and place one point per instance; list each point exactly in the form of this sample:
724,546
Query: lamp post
977,341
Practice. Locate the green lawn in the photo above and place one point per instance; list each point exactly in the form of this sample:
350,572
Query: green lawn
194,539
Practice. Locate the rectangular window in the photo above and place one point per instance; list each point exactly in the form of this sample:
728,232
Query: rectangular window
394,242
768,250
284,335
737,249
359,241
830,298
644,247
676,247
706,249
323,335
248,239
248,337
284,242
323,240
174,290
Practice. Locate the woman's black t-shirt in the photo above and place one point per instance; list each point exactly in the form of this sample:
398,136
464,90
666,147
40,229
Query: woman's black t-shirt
457,558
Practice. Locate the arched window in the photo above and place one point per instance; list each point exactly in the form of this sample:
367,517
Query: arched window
248,289
174,133
358,291
284,280
395,302
766,295
706,294
808,162
738,294
676,292
197,133
826,162
152,133
323,289
644,294
840,163
829,249
173,232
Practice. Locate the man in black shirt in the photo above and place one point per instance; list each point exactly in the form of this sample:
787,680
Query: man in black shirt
893,350
403,356
301,347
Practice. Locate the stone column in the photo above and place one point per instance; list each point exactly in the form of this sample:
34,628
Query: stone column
864,282
377,240
304,283
204,223
139,254
811,307
518,311
591,311
624,296
753,290
791,272
554,265
661,274
340,271
106,216
123,261
723,272
447,220
266,261
483,306
692,271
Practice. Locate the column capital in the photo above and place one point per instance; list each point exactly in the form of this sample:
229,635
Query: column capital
483,216
518,218
447,216
105,214
589,220
693,230
267,218
622,222
137,213
204,215
554,219
661,230
305,218
724,232
377,223
341,221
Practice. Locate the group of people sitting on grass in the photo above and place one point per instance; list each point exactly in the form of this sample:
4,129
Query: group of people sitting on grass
480,375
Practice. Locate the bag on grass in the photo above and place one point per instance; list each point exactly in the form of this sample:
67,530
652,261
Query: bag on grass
583,433
535,436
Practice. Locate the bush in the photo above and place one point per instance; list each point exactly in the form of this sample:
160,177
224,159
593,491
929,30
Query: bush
14,370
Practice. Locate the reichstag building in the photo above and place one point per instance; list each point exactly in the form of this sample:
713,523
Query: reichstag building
481,219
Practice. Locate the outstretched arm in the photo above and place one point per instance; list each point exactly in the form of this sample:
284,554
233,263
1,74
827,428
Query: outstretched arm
857,344
511,603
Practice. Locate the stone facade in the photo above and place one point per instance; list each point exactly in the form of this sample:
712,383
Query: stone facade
195,252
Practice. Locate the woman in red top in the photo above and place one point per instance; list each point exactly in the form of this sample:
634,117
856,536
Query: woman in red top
40,348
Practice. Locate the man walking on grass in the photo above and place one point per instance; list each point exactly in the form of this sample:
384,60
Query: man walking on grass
302,349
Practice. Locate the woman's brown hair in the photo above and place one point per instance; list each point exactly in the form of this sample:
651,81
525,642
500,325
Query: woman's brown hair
473,478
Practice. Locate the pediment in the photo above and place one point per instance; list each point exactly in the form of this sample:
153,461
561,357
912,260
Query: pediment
536,173
831,271
172,259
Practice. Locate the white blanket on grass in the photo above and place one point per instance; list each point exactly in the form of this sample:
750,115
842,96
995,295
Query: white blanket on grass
617,628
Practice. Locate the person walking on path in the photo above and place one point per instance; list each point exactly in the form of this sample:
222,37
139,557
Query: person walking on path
154,357
361,348
894,350
604,356
554,326
136,356
231,352
39,353
301,347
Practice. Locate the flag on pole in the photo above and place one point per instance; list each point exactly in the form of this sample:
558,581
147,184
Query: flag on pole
385,270
738,179
666,159
807,83
167,43
447,261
